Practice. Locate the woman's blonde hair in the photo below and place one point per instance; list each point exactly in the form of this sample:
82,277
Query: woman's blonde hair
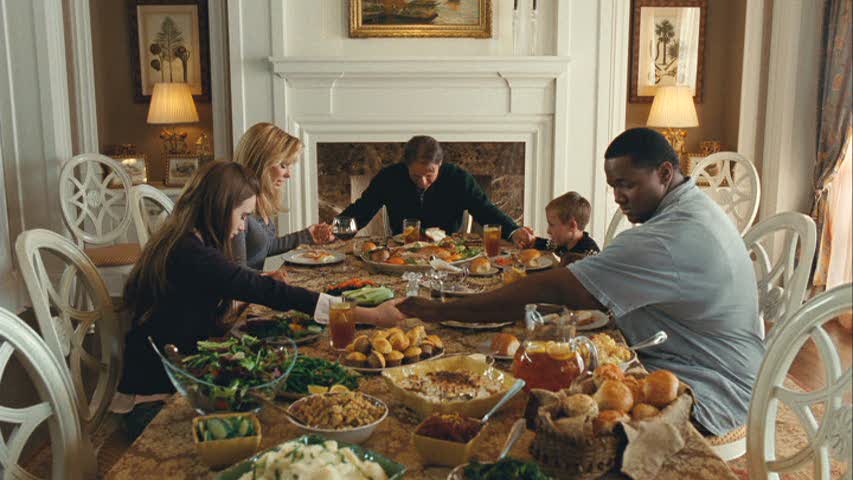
261,147
205,207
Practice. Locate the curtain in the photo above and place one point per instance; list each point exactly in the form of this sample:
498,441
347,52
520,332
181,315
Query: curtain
834,119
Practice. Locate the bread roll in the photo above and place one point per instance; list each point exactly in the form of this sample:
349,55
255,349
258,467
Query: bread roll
607,372
380,255
427,350
435,341
529,256
394,359
355,359
660,388
412,355
580,405
614,395
416,335
399,341
368,246
361,344
505,344
382,346
480,265
606,421
642,411
636,387
376,360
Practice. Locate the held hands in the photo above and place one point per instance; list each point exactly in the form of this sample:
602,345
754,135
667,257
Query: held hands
321,233
385,315
524,237
426,310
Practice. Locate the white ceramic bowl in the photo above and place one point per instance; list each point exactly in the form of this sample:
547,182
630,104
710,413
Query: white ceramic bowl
351,435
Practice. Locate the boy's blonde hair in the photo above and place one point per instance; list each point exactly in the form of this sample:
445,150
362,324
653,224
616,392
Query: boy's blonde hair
571,206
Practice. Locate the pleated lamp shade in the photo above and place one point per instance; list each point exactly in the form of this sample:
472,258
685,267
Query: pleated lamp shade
172,103
673,108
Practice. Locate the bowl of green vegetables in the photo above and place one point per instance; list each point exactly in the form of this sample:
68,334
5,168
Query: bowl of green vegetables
316,372
293,324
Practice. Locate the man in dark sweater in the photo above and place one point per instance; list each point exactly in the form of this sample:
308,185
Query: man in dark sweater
425,188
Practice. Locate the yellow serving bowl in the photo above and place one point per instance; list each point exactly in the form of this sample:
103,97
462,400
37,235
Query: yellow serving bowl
444,452
221,453
424,407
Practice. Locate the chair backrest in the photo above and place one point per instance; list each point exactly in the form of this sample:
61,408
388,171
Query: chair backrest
467,223
145,219
57,406
781,270
94,193
84,319
830,435
732,181
618,224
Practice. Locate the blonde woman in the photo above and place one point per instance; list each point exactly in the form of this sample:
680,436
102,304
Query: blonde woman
269,152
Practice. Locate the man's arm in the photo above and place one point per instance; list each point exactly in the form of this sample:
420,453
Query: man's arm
483,210
506,304
371,200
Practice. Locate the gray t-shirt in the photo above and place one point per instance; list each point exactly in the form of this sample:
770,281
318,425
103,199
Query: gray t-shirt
261,240
686,271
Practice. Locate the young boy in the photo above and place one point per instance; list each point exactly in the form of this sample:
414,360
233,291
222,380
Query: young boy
567,216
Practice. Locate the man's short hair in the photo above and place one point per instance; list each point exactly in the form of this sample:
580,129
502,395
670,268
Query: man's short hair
645,147
571,206
422,148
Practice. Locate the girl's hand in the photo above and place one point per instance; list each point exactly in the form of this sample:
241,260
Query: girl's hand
385,315
279,275
321,233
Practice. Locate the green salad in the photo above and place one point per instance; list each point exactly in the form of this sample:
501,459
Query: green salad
317,371
503,469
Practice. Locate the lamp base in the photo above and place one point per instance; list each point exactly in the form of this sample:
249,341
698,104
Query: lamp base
174,141
677,137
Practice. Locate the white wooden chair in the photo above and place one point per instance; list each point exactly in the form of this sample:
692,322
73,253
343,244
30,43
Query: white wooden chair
781,268
145,219
830,435
94,192
618,224
82,324
732,182
72,458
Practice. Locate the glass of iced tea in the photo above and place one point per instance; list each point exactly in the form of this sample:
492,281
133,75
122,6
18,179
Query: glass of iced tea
341,324
513,273
411,230
492,239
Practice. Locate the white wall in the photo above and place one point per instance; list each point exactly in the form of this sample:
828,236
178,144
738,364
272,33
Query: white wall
35,128
592,34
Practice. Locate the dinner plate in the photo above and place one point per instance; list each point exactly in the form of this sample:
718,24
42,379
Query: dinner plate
485,347
598,319
475,326
544,262
299,257
380,370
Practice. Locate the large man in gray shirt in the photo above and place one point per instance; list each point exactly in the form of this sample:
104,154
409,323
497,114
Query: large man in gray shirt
684,270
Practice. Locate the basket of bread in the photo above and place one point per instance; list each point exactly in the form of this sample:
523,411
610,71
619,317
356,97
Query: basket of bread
578,430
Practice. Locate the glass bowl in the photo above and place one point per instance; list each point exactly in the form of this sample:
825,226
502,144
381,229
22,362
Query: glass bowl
244,395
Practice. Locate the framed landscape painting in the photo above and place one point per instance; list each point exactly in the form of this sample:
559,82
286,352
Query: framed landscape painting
421,18
667,46
169,43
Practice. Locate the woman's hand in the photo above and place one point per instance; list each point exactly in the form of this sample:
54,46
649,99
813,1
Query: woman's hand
321,233
426,310
279,275
385,315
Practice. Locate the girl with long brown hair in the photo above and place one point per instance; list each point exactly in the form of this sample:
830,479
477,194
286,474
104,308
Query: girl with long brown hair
186,280
270,152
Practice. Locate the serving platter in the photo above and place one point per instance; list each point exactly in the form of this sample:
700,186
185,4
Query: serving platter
394,268
380,370
597,319
303,257
544,262
488,273
475,326
453,289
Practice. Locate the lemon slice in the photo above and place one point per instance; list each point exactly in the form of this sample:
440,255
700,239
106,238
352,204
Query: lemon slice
560,351
536,347
316,389
338,388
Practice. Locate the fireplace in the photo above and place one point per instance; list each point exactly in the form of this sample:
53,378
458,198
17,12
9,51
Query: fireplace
345,169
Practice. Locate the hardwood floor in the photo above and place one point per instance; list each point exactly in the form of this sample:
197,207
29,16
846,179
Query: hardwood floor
808,368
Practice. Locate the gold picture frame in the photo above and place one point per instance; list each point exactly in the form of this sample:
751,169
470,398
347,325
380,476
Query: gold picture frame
136,167
180,168
420,18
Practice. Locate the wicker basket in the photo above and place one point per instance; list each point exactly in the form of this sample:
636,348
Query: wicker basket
565,457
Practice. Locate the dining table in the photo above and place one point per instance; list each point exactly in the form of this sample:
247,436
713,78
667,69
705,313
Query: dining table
166,448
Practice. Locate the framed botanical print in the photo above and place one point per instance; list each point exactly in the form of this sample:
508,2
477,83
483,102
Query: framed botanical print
135,166
169,43
180,168
667,46
420,18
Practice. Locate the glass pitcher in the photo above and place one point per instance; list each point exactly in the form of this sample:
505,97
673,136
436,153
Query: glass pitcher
551,355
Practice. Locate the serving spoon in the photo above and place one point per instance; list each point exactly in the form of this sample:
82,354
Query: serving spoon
513,391
652,341
515,433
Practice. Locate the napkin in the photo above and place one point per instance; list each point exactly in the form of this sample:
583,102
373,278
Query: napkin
440,264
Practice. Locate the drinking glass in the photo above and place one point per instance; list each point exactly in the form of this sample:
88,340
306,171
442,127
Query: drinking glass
492,240
344,227
411,230
341,324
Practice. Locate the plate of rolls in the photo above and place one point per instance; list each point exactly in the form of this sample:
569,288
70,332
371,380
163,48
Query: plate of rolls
482,267
382,349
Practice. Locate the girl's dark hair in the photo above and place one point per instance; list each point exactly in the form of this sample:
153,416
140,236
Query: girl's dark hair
422,148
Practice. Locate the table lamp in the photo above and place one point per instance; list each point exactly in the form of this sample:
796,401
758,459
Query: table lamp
673,110
172,103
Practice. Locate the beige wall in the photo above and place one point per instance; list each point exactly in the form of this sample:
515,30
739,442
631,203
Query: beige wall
720,108
120,120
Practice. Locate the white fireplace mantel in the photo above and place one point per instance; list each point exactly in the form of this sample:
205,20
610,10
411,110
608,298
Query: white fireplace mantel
465,99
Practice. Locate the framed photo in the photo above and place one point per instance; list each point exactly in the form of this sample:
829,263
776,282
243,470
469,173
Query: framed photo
180,168
420,18
667,46
135,165
169,43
